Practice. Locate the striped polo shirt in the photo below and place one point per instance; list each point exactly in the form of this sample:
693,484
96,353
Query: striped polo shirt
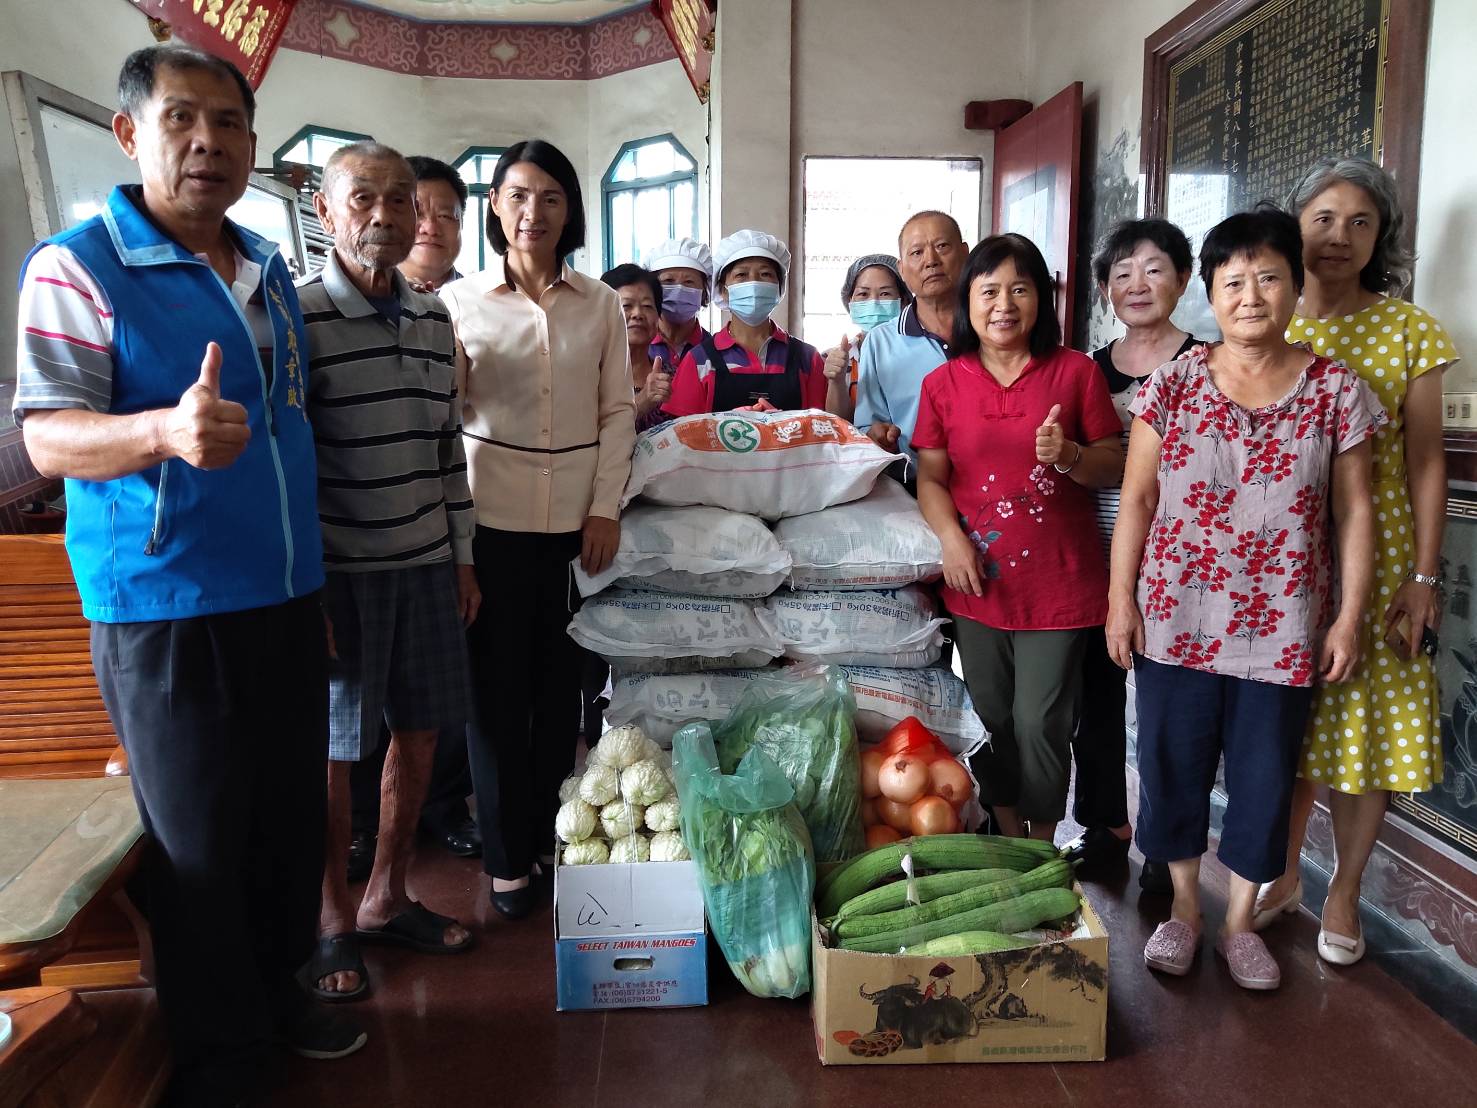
392,474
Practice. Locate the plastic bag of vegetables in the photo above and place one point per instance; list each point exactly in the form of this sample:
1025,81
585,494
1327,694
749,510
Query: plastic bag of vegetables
805,720
754,862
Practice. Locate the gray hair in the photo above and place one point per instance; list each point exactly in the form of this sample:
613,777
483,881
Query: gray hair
367,149
1389,268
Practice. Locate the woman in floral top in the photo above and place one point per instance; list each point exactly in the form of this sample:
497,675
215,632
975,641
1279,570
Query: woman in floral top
1223,596
1379,732
1011,435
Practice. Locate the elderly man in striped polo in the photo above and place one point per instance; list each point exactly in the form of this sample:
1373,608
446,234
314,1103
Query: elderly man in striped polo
397,526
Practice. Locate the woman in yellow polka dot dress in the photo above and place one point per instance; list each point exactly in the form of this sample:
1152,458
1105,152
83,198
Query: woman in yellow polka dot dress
1380,731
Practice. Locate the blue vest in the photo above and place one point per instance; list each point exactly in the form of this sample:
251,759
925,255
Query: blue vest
173,541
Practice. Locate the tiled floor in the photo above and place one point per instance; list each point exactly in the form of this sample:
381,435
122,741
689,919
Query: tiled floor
480,1029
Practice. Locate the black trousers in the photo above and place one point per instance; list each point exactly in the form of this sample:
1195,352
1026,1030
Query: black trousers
225,721
526,692
446,796
1100,743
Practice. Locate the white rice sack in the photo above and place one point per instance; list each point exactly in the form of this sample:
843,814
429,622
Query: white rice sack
768,464
940,700
661,703
693,550
895,629
654,632
881,541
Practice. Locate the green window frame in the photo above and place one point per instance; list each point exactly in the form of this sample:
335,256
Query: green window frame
648,194
317,142
476,165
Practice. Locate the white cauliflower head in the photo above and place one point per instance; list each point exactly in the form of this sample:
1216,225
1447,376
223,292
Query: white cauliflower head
569,789
599,785
643,783
620,818
632,848
623,746
663,815
667,846
575,821
590,852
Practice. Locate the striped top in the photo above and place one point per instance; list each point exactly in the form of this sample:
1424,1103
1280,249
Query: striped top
392,474
64,333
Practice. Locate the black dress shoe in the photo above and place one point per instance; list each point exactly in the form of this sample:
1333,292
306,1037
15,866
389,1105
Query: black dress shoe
1097,846
459,837
361,854
1154,878
516,904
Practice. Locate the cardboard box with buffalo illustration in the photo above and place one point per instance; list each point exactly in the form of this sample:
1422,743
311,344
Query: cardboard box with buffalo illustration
629,935
1047,1003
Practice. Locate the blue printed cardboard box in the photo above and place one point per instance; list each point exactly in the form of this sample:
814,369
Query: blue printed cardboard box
629,935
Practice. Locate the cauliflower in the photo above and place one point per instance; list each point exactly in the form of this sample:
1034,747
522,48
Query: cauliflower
575,821
667,846
599,785
631,848
591,852
620,818
570,790
623,746
643,783
663,815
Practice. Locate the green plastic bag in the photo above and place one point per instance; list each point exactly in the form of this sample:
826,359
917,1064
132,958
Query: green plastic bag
754,862
805,720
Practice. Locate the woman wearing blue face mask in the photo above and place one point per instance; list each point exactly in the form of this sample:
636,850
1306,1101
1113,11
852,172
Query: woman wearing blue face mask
684,268
752,362
874,293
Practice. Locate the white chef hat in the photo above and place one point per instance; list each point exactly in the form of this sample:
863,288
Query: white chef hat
681,254
751,244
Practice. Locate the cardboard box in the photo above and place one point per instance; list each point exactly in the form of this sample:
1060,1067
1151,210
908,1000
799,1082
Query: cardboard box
629,935
1041,1004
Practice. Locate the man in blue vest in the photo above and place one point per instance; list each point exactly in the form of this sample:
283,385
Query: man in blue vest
161,366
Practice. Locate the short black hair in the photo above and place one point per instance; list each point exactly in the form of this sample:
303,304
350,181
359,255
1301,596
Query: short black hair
1243,234
434,169
552,161
987,257
1125,237
632,274
136,78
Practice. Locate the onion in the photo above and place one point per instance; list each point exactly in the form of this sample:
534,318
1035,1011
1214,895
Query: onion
948,779
903,778
933,816
871,763
880,835
895,814
869,814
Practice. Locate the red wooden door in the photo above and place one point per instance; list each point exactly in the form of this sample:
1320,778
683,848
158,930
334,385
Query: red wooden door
1037,168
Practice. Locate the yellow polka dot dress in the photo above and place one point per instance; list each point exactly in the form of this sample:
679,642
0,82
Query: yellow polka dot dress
1381,729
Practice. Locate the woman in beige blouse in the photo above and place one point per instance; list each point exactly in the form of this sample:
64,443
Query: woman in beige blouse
550,425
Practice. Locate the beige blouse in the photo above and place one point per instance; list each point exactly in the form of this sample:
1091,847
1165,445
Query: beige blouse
547,408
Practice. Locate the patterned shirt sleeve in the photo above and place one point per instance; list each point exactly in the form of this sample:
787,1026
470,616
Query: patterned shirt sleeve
1152,403
1430,346
64,337
1360,415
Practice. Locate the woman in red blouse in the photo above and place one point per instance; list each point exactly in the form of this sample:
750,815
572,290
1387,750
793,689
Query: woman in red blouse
1248,479
1011,434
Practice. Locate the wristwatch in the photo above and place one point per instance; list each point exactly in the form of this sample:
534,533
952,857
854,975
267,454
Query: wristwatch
1426,579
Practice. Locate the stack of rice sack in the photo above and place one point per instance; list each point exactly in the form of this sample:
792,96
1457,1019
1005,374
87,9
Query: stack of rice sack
687,593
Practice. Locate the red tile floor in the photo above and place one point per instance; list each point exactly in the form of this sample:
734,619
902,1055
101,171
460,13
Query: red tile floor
481,1029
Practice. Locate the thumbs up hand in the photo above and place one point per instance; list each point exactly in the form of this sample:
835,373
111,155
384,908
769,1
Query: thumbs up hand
838,359
1050,440
202,429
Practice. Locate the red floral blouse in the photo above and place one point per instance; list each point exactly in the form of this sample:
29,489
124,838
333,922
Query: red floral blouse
1237,576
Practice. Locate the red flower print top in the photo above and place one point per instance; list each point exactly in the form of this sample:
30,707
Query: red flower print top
1035,528
1237,576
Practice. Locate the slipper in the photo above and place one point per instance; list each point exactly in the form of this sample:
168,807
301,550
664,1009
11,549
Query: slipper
1172,947
418,928
335,954
1250,962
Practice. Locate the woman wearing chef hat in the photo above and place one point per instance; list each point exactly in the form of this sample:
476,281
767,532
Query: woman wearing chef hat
752,362
684,267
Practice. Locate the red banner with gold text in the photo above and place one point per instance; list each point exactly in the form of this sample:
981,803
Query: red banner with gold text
690,25
243,32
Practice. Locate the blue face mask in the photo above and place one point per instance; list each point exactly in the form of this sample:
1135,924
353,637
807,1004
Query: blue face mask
680,303
867,314
753,301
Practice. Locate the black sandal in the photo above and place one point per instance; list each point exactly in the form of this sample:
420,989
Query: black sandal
335,954
419,929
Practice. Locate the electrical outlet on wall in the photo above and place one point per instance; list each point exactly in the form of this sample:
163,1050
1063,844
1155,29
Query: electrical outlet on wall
1460,411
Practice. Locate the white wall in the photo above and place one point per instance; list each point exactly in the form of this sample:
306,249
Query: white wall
588,120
